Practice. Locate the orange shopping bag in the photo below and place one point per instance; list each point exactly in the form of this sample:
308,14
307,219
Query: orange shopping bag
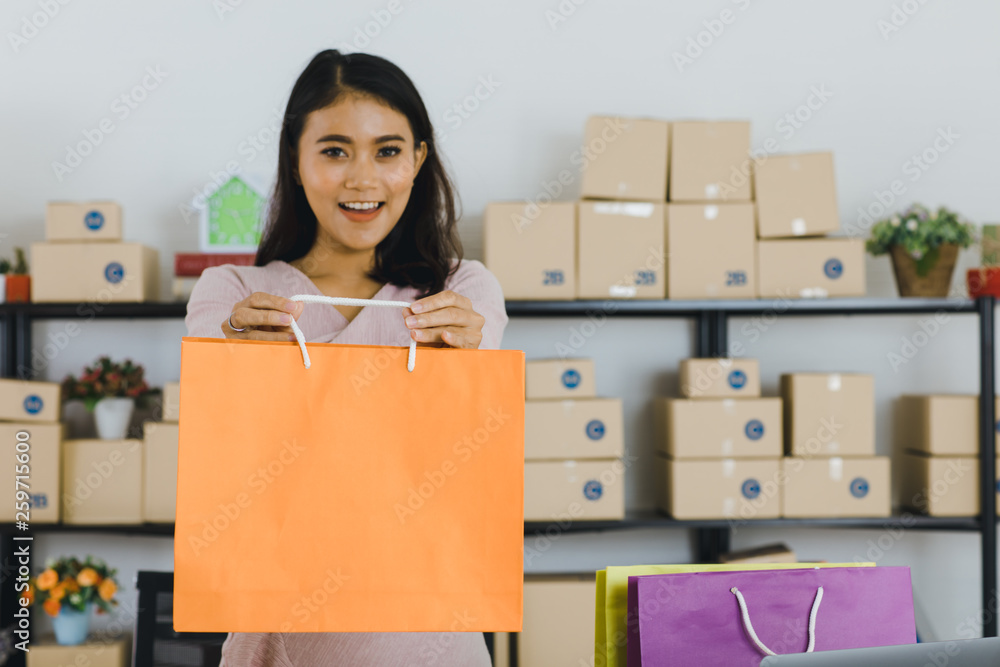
354,495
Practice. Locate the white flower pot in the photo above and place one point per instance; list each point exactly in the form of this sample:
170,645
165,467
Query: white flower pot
112,417
3,287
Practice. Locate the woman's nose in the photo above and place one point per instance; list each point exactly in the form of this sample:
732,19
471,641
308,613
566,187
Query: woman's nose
360,173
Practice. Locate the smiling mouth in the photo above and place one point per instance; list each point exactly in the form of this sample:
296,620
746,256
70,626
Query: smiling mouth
364,207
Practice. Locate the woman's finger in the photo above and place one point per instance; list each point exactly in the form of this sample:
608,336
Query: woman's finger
450,316
253,317
457,336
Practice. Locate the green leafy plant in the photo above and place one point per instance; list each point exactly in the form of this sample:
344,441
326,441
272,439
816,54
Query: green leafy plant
20,264
4,266
920,232
106,378
70,582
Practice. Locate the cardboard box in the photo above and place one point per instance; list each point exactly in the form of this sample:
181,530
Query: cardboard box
712,250
621,250
836,487
29,401
810,268
939,485
159,489
83,221
796,196
719,489
720,378
702,428
559,378
102,481
104,272
772,553
709,161
42,479
558,622
531,249
45,652
574,490
939,424
573,429
829,414
625,159
171,401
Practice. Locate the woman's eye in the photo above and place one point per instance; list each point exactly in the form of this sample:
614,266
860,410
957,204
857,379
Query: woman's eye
326,151
389,151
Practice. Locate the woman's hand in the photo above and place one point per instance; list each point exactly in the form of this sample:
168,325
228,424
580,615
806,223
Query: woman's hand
265,317
445,319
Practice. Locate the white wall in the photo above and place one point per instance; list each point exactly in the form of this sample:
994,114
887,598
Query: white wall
226,74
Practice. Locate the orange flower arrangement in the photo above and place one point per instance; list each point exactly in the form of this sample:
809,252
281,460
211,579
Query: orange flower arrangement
73,583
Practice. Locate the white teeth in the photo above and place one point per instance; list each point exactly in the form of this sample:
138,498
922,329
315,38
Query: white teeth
361,206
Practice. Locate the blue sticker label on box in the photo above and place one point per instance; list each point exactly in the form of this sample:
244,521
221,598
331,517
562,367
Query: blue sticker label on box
39,501
859,487
595,429
833,268
571,378
114,272
592,490
750,488
736,278
33,404
737,379
94,220
754,429
553,277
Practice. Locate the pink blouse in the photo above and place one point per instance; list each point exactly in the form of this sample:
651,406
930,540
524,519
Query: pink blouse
211,302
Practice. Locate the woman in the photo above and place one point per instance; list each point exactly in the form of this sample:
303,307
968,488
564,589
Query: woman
362,208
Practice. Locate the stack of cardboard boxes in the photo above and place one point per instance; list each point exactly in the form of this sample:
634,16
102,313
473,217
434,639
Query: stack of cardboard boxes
32,434
796,202
937,454
719,447
830,469
84,258
159,501
573,445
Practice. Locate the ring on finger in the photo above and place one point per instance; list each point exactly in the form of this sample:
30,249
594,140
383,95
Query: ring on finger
231,324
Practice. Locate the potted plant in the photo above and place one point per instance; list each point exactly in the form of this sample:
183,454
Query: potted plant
110,390
4,270
18,281
68,589
923,246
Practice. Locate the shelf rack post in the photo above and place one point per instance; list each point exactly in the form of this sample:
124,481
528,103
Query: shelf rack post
987,463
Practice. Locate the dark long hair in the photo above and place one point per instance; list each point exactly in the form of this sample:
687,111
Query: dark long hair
419,249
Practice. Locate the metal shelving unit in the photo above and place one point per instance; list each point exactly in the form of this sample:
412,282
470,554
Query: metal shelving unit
711,324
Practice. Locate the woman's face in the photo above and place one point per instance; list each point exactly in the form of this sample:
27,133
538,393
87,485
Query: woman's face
357,163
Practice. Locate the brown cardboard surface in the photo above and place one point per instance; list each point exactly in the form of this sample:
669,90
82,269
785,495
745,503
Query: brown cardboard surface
810,268
796,195
102,272
720,378
938,485
531,249
774,553
709,161
701,428
712,250
719,489
558,622
625,159
159,492
83,221
573,429
836,487
102,481
171,401
42,475
29,401
620,250
106,652
574,490
829,414
939,424
559,378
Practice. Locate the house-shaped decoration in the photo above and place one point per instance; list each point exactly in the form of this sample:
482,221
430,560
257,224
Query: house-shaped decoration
231,216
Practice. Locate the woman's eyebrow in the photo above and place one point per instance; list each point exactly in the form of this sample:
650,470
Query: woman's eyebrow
344,139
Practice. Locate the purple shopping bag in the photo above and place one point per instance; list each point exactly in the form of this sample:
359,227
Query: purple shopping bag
736,619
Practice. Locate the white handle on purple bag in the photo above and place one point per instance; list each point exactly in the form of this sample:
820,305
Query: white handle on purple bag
753,635
347,301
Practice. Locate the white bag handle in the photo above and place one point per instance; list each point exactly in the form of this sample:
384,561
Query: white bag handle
753,635
347,301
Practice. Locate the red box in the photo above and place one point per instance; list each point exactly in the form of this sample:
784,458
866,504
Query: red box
983,281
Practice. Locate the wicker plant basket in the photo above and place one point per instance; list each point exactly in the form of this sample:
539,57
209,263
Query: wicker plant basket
937,281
